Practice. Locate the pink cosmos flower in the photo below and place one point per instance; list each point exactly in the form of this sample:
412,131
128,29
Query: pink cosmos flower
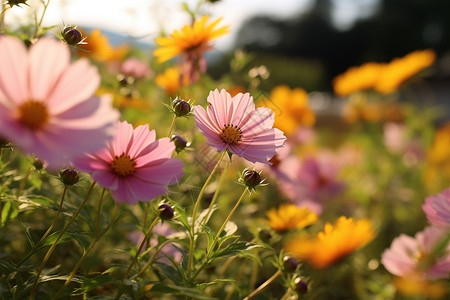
437,209
235,124
46,103
134,166
410,257
135,67
311,181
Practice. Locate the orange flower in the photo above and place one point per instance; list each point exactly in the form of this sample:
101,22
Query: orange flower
291,108
190,39
401,69
357,79
171,80
418,287
289,216
333,244
99,48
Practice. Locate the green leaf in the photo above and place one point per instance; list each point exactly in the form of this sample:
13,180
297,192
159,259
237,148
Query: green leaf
89,284
234,249
170,272
9,212
179,290
52,238
27,232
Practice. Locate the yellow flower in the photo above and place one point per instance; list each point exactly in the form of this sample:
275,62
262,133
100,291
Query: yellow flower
291,108
357,79
417,287
190,39
401,69
437,168
170,80
332,244
99,48
289,216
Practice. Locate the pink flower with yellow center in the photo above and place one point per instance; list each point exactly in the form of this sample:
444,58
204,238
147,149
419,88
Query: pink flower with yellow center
134,166
419,256
235,124
47,106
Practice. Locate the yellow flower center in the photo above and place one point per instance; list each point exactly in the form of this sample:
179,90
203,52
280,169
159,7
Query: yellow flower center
33,114
123,165
231,134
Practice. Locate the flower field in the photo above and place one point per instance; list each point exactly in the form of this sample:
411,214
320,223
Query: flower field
129,173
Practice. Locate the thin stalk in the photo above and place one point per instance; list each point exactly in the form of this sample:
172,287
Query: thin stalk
140,247
240,273
287,294
55,219
2,14
226,220
50,251
86,252
147,208
264,285
23,183
99,211
197,203
38,25
171,126
216,193
152,258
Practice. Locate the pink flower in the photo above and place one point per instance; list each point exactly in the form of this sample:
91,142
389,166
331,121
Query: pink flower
311,181
437,209
135,67
409,257
235,124
46,103
134,166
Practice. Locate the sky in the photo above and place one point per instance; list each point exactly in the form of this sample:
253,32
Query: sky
145,19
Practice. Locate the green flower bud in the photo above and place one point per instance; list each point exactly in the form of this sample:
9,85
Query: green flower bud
251,178
181,107
69,177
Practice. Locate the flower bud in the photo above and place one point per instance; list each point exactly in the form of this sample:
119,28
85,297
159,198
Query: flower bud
69,177
16,2
289,264
165,211
71,35
38,164
181,107
179,141
251,178
301,287
265,235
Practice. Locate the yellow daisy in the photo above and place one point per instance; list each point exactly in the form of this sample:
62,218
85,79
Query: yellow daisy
98,47
190,39
171,80
401,69
291,108
357,79
289,216
332,244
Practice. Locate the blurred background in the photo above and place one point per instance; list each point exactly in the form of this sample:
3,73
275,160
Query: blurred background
302,43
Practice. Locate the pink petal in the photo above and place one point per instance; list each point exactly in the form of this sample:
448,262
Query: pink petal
48,59
166,173
14,69
106,179
124,137
142,138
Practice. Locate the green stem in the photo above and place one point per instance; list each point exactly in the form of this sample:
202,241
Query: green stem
38,26
86,252
152,258
23,183
50,251
197,203
216,193
99,211
140,247
147,208
171,126
226,221
55,219
287,294
264,285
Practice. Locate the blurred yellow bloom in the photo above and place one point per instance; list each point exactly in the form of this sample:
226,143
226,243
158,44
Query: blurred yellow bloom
289,216
417,287
358,108
99,48
291,108
401,69
171,80
190,39
357,79
437,170
332,244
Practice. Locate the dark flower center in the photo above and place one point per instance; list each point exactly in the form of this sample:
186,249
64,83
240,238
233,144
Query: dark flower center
33,114
123,165
231,134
